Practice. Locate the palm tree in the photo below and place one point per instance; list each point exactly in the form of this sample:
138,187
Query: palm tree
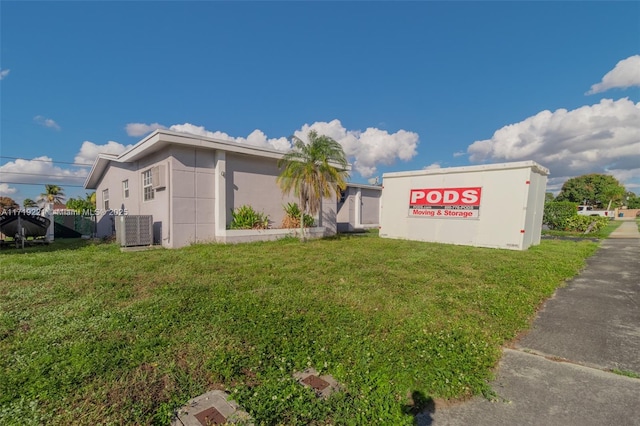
314,171
28,202
53,194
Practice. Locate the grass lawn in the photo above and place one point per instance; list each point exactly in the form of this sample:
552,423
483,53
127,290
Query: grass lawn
92,335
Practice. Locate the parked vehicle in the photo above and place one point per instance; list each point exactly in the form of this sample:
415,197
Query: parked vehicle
590,211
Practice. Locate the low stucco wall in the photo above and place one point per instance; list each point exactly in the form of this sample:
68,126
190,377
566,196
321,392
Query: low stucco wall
251,235
627,213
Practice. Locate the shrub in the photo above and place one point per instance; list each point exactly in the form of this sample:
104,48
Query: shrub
557,213
292,218
582,223
245,217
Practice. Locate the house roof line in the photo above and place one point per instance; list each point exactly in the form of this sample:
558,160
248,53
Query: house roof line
161,138
164,137
364,186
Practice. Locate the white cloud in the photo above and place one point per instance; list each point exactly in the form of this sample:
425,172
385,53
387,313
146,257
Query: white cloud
365,149
41,170
46,122
433,166
141,129
370,148
599,138
89,151
6,190
200,131
625,74
255,138
4,73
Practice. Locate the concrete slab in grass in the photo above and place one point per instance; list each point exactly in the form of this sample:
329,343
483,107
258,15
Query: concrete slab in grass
322,385
211,408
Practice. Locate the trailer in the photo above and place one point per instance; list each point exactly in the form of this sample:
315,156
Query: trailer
24,227
495,205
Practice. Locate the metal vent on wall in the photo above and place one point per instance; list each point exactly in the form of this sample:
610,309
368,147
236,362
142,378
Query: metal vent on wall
134,230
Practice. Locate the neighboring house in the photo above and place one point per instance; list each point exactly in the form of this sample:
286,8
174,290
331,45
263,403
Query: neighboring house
359,207
190,185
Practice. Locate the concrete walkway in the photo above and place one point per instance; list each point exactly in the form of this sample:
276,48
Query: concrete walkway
560,373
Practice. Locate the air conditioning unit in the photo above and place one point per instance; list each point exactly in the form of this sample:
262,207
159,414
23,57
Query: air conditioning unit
134,230
158,177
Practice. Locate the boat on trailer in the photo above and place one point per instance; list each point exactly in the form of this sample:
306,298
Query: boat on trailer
22,226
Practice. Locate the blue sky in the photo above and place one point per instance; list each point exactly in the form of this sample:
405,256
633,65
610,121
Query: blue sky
401,85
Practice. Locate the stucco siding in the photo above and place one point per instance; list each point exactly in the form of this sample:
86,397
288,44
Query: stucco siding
118,204
158,206
252,181
193,202
201,182
345,215
360,209
370,206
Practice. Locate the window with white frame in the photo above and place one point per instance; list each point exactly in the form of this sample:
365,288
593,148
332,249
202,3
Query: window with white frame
125,188
105,199
147,185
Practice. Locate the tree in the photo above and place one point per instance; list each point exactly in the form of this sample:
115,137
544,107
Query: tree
594,189
633,200
7,203
548,197
28,203
314,171
53,194
82,204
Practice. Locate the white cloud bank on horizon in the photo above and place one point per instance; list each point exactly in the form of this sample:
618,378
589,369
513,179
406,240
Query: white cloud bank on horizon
625,74
4,73
365,149
599,138
46,122
89,151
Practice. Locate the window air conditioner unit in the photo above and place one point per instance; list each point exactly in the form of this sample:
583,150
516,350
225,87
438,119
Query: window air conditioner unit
134,230
158,177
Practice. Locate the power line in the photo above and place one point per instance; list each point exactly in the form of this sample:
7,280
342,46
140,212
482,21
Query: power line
48,161
39,184
42,174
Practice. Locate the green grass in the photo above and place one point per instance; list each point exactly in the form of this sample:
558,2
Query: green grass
92,335
626,373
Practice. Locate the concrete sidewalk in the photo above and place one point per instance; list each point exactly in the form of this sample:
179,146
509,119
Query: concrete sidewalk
560,373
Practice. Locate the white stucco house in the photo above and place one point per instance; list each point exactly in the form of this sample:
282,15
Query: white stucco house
190,185
359,208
